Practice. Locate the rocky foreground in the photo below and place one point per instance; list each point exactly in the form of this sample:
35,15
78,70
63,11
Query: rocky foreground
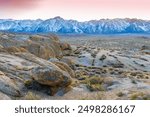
34,64
42,67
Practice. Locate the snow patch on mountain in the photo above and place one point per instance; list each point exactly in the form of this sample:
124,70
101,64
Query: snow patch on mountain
60,25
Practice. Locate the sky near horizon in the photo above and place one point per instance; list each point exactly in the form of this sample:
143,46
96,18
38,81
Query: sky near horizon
81,10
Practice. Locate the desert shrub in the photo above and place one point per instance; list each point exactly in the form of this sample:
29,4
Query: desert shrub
95,84
95,87
140,96
28,82
120,94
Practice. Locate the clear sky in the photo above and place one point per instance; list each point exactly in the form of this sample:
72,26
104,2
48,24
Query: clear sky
81,10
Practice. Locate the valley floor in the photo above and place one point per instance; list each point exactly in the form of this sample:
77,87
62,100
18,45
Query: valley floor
110,67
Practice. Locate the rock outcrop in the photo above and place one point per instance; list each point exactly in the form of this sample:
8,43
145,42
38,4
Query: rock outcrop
66,48
9,86
26,62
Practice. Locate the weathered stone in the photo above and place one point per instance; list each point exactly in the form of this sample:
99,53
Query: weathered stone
10,86
49,43
65,67
4,96
37,49
51,77
66,48
25,61
28,67
14,49
69,61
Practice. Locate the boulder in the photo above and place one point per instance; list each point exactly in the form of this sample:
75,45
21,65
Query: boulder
49,43
37,49
28,67
66,48
42,46
51,77
9,86
65,67
24,65
69,61
52,37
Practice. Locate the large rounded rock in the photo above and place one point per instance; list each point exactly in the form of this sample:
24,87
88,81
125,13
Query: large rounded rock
51,77
65,67
28,67
49,43
37,49
69,61
25,61
45,38
66,48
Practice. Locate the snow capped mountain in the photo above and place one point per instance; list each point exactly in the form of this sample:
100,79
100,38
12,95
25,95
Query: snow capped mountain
59,25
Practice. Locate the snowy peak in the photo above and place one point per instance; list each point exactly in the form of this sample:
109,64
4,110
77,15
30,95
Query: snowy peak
60,25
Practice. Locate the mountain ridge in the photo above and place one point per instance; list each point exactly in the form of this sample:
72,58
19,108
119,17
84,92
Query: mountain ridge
60,25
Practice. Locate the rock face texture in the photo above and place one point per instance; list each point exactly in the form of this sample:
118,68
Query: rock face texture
24,65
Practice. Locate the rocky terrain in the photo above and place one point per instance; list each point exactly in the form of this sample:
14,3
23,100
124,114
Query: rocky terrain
34,67
111,67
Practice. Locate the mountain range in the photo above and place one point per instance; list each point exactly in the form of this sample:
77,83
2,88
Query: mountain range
60,25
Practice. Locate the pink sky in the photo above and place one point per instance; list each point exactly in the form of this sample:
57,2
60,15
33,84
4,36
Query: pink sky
81,10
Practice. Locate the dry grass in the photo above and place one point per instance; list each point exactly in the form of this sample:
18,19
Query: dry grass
139,96
32,96
95,84
120,94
